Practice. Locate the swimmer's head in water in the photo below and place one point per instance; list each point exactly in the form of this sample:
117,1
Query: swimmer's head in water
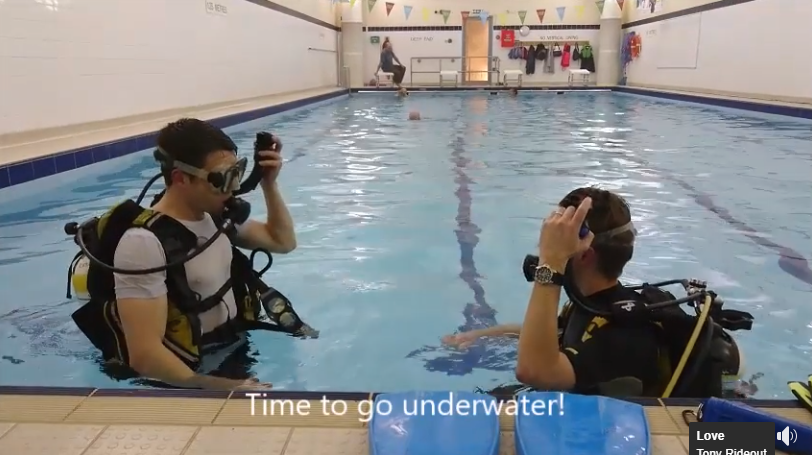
414,115
514,91
403,92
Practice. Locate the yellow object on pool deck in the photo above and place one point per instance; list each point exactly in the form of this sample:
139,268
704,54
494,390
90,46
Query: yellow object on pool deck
78,279
803,392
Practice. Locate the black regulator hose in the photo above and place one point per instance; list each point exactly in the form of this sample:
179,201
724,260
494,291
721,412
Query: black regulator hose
236,211
264,142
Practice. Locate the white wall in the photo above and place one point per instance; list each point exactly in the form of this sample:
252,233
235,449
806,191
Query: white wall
408,45
754,49
90,60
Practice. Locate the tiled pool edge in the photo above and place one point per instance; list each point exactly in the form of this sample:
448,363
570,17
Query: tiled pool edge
44,166
747,105
308,395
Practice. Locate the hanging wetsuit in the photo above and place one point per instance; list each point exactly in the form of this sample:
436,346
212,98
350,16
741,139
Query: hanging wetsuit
565,57
549,63
530,65
587,59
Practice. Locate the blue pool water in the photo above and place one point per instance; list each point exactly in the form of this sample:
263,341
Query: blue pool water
412,230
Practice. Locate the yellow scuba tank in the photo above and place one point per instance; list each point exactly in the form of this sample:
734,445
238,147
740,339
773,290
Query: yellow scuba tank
78,281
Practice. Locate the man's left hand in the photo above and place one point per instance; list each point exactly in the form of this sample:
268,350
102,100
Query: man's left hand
271,161
559,239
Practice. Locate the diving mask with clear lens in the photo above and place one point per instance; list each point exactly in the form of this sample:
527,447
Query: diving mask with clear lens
226,180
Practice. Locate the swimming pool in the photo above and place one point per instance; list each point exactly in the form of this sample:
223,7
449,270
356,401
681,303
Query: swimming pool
411,230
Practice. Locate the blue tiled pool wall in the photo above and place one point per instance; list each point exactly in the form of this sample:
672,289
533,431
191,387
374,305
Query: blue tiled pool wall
37,168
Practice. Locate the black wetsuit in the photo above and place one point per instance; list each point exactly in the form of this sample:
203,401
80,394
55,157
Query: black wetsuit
601,352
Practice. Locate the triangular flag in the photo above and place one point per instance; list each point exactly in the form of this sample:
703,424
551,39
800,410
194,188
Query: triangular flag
389,6
579,10
484,16
371,4
540,13
445,14
561,10
425,14
465,14
502,19
352,3
620,4
522,15
599,4
407,10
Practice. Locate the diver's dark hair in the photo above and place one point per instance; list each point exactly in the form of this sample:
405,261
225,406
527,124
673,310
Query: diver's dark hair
191,141
609,211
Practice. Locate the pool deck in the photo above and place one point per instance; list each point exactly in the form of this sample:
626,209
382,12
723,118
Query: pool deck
17,147
36,421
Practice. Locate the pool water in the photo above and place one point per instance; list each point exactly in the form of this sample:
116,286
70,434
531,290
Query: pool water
412,230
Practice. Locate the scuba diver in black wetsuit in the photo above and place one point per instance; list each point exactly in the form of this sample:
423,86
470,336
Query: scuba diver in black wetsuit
170,296
611,339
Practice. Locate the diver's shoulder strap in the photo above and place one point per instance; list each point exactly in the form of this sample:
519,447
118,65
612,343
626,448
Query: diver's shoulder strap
177,241
109,229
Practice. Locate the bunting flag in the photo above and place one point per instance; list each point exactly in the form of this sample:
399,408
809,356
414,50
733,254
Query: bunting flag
502,19
425,14
464,15
579,10
352,3
484,16
371,4
599,4
389,6
407,10
540,13
446,13
522,15
620,4
561,10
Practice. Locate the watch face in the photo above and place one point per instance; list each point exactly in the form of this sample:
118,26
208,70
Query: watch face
544,275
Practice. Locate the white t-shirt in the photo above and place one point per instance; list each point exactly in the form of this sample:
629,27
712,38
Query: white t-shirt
207,272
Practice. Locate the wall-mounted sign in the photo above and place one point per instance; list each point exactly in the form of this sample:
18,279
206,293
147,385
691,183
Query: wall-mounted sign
374,39
560,38
216,8
427,39
476,12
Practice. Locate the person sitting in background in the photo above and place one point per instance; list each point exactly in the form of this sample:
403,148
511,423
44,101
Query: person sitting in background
387,64
580,351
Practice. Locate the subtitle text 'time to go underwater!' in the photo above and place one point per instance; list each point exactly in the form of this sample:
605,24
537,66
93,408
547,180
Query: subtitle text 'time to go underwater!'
263,405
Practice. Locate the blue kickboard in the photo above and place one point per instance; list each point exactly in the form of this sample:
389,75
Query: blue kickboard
420,424
569,424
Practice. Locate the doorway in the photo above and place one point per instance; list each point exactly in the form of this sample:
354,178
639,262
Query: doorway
476,50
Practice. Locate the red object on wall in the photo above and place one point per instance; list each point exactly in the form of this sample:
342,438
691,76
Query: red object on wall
508,38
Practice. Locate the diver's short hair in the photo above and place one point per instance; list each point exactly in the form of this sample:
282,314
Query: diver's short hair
609,211
191,141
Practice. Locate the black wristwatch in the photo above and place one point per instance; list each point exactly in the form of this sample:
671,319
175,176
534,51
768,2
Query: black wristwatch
547,276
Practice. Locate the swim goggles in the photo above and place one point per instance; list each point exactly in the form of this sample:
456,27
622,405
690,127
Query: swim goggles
225,180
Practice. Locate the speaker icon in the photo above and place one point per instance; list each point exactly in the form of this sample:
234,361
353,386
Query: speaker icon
787,435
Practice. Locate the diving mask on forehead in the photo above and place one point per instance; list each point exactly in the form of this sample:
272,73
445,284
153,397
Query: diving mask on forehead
531,262
224,180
